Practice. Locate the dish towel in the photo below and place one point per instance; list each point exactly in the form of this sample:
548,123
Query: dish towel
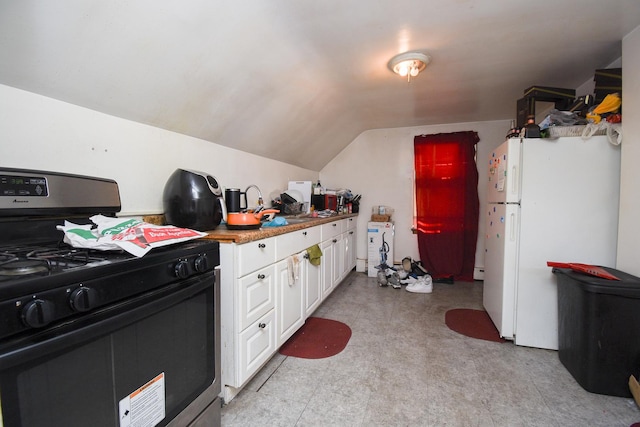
315,253
293,268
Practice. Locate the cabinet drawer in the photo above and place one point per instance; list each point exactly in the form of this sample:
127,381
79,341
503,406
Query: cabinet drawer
350,224
256,345
256,296
297,241
331,230
254,255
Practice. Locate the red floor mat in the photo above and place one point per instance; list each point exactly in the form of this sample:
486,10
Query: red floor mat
317,338
472,323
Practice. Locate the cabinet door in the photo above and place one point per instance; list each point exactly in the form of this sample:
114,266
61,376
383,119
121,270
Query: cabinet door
327,267
312,285
256,345
337,254
290,302
350,250
256,296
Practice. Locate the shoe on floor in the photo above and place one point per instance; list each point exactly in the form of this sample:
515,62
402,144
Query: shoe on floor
418,269
406,264
424,285
382,278
420,288
394,281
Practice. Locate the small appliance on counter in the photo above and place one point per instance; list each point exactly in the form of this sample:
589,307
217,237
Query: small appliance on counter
192,199
304,187
321,202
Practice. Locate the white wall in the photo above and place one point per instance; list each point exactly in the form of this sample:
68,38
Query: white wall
46,134
379,165
629,227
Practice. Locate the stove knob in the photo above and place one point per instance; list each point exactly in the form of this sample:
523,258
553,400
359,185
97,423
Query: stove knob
37,313
83,299
201,263
182,269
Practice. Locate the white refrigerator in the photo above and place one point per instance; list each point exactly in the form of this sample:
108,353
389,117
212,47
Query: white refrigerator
547,200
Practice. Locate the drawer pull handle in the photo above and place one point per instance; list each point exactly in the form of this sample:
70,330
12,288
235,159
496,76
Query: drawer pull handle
261,276
335,225
351,232
262,245
304,233
306,256
262,325
334,240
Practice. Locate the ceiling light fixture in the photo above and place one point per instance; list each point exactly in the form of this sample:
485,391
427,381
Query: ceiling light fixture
409,64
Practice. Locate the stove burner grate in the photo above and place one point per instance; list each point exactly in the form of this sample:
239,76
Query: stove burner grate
20,261
24,267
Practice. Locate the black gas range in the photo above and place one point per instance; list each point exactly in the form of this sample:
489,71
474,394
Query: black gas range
100,330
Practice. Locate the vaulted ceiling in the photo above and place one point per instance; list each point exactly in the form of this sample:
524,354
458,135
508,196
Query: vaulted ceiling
297,81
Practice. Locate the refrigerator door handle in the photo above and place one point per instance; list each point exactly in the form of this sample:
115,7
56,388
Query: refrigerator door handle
514,179
512,227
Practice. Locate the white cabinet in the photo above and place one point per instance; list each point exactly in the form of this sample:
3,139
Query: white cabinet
291,310
297,241
312,275
256,345
350,244
260,307
247,309
256,295
327,267
254,255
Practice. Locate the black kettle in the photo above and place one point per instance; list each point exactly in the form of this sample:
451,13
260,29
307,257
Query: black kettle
192,199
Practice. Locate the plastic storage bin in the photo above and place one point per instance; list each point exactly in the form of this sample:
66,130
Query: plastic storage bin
599,329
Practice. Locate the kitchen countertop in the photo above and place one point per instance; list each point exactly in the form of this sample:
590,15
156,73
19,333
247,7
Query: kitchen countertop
225,235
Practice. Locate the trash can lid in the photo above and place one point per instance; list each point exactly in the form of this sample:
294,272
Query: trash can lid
627,286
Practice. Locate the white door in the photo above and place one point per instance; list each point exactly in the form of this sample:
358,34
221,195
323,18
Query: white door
501,250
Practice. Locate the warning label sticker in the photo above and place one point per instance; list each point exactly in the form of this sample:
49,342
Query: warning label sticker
145,407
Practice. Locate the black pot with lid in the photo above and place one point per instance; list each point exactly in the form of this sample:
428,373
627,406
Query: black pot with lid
192,199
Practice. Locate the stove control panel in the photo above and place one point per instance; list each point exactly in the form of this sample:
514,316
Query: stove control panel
16,185
33,192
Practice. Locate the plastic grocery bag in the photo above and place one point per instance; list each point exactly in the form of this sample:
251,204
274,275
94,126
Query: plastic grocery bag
129,234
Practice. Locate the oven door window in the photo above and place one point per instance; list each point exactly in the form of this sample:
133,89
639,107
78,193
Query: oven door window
77,374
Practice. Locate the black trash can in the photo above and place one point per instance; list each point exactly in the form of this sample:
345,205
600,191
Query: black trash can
599,329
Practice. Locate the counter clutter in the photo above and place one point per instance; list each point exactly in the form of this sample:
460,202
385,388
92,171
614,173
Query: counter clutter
263,301
226,235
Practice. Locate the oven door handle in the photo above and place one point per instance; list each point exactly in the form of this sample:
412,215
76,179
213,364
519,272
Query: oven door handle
100,323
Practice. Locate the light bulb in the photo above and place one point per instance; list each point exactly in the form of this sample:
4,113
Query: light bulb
403,70
414,70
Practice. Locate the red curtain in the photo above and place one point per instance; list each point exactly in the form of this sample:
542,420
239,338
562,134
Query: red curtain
447,205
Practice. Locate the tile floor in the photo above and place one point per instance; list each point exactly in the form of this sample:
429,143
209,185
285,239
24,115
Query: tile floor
404,367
